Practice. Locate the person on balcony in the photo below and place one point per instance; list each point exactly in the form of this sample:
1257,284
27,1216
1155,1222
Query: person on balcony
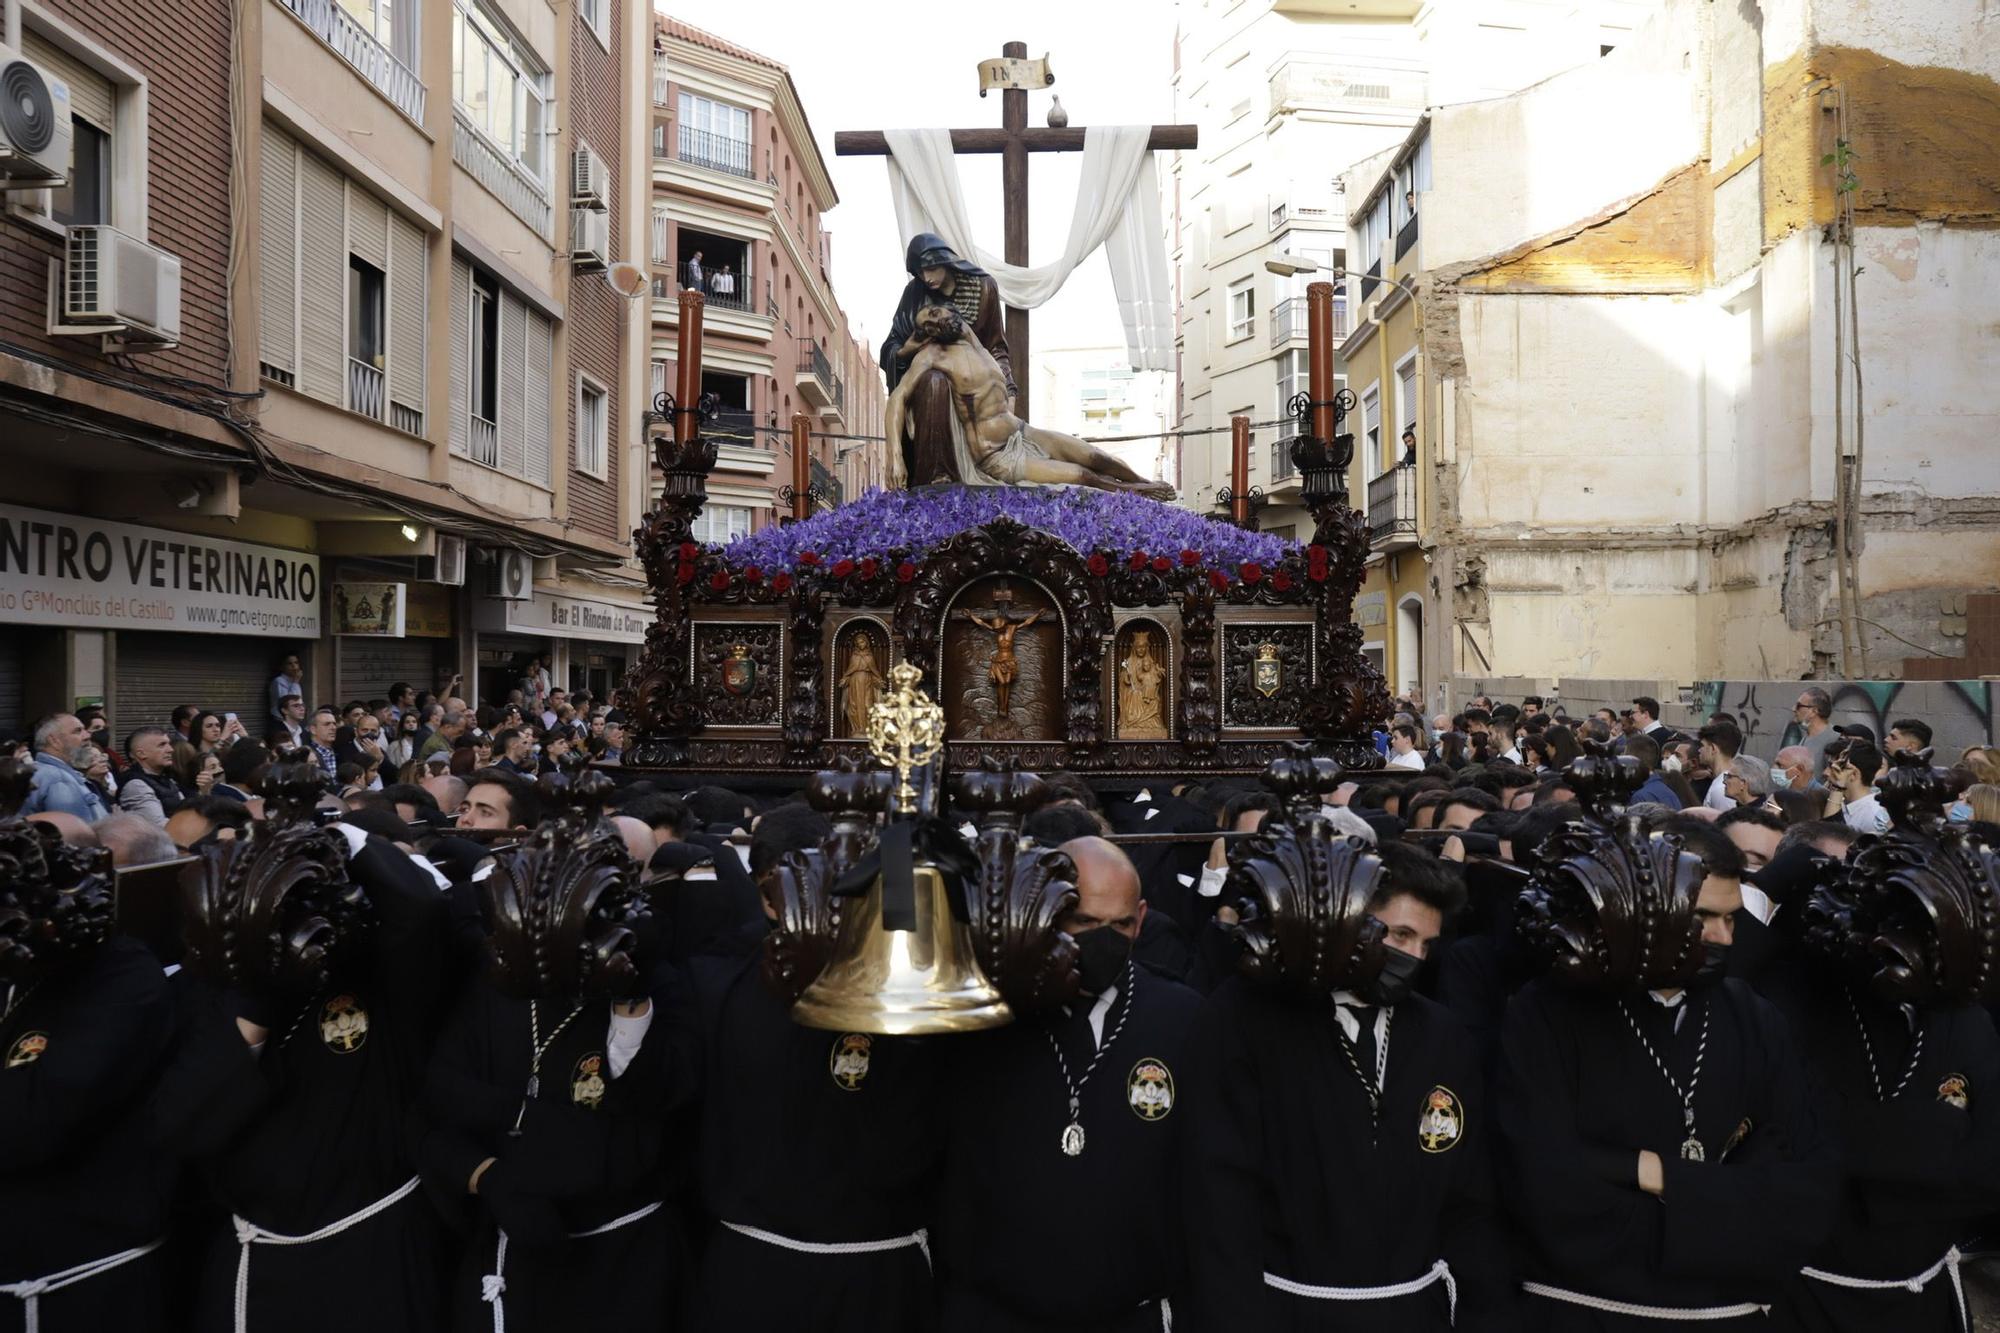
692,280
723,286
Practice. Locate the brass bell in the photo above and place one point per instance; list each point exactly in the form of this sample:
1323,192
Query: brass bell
925,979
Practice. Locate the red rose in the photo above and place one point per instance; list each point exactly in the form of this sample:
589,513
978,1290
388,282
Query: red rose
1218,580
1139,561
719,580
842,567
689,550
685,574
906,572
1190,558
753,574
868,567
781,582
1250,571
1316,563
1161,564
1097,565
1281,581
808,558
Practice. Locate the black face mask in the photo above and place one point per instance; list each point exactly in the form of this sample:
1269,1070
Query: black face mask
1714,965
1101,956
1391,985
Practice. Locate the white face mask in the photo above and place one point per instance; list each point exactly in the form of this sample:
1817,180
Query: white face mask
1672,763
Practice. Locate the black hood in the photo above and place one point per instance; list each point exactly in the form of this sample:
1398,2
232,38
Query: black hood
927,249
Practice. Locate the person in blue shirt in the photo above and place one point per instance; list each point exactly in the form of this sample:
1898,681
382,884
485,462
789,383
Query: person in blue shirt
58,785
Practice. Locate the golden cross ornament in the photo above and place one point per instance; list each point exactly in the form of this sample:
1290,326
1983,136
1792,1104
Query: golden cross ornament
905,730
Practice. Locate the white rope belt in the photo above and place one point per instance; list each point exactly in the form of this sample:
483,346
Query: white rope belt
1440,1272
920,1238
30,1292
1632,1311
493,1285
1947,1265
248,1233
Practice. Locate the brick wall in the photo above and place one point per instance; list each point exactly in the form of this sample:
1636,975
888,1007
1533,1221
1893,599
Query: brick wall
596,314
183,48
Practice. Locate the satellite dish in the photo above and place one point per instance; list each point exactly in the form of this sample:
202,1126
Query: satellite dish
627,279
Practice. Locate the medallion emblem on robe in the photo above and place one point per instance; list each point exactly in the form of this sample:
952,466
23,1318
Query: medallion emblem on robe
1442,1123
849,1061
1149,1090
586,1081
1952,1092
27,1049
343,1024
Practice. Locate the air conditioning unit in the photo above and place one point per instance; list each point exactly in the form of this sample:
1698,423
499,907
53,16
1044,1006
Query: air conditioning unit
35,130
589,183
120,288
448,565
589,238
511,576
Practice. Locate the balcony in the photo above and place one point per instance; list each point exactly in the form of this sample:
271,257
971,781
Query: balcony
659,80
505,179
734,425
725,291
483,441
1282,468
716,152
815,379
1406,236
1392,509
830,489
358,47
1288,320
364,389
1371,280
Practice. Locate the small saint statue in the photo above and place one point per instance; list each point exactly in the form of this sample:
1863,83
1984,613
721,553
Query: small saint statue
860,684
1142,713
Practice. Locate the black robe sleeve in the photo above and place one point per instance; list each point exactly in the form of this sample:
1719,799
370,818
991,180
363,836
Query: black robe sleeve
1226,1198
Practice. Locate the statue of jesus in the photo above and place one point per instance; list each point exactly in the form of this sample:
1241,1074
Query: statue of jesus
1004,666
1005,448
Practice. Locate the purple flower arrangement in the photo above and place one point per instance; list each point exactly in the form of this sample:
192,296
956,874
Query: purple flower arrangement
881,524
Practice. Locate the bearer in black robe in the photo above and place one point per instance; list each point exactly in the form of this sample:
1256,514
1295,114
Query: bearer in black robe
818,1149
549,1096
1662,1148
1057,1211
312,1163
84,1028
1885,998
1338,1126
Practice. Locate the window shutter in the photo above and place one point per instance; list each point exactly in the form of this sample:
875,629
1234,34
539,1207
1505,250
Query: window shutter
461,354
540,425
278,254
91,95
367,227
409,277
513,382
322,281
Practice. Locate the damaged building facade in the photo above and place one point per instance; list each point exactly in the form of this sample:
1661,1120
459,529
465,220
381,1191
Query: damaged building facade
1697,341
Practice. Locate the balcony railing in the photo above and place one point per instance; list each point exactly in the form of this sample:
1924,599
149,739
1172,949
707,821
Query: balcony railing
829,485
812,360
733,425
525,197
483,442
1281,454
1288,320
728,290
1406,236
1371,280
364,389
659,80
358,47
716,152
1392,505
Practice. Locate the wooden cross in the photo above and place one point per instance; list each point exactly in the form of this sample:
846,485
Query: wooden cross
1013,141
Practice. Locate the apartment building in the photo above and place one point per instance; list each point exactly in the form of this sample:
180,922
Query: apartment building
399,371
1640,393
1288,93
739,191
1093,393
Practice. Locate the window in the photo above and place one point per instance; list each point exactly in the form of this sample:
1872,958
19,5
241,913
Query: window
1371,425
500,88
365,324
593,13
593,428
1406,399
715,135
485,364
718,525
1242,308
393,23
86,200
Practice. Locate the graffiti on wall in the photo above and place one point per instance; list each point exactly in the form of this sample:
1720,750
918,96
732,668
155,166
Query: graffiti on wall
1960,712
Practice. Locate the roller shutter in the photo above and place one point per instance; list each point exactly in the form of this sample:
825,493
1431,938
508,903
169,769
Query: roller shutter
461,354
513,383
408,280
13,672
538,431
323,281
278,210
369,666
219,672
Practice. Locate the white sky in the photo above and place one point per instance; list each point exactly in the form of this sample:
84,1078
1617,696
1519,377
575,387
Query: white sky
870,65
